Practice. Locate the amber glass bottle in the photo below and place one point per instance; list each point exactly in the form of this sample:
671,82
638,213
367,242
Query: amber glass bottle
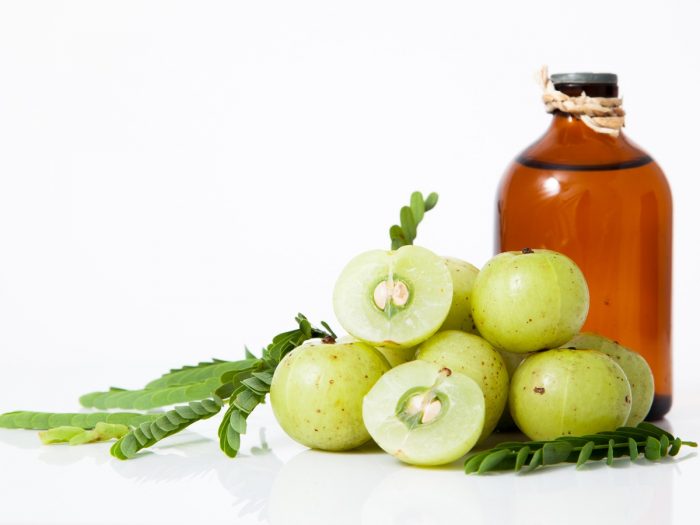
605,203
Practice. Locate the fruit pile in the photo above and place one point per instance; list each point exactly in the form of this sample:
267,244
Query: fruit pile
438,353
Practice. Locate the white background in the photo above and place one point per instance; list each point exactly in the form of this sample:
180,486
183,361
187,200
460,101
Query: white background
178,179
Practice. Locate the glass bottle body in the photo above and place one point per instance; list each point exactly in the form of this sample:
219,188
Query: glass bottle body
606,204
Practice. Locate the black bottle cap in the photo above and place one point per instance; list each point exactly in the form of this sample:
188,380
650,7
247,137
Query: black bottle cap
583,78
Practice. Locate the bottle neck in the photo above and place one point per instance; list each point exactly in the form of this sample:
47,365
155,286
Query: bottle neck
573,130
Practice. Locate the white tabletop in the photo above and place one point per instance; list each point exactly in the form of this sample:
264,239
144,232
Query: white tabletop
188,480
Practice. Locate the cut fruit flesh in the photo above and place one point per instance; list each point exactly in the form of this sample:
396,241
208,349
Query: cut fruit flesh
424,414
393,298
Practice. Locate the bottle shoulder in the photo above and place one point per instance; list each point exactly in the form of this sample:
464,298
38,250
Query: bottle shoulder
569,142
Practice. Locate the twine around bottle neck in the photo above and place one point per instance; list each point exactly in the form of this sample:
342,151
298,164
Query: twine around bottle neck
601,114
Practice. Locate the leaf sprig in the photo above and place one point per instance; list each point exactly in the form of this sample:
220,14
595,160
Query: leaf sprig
244,383
410,217
172,422
645,440
45,420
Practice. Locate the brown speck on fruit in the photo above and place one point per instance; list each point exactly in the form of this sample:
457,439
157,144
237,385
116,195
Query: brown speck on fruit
366,376
529,319
538,390
627,399
333,356
318,410
328,340
331,381
527,250
315,430
446,372
606,302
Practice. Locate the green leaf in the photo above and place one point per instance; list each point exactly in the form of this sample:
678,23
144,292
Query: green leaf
521,458
417,206
79,436
584,454
652,449
247,401
264,376
675,447
256,385
491,461
473,461
396,233
535,461
633,450
59,434
86,436
611,452
431,201
556,452
408,224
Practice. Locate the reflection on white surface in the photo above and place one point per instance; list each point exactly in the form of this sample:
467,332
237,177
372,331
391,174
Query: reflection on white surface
248,478
620,494
418,496
326,488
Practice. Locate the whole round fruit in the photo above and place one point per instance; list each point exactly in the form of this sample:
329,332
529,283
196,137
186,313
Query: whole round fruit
395,298
472,356
460,315
634,365
317,390
424,414
529,300
565,392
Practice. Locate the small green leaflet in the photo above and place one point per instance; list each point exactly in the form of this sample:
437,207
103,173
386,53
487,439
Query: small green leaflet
80,436
645,439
